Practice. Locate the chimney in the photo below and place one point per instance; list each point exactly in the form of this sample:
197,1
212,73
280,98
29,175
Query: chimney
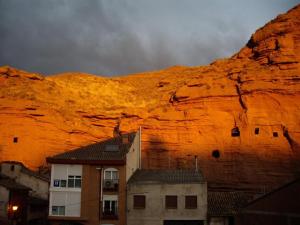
116,131
125,139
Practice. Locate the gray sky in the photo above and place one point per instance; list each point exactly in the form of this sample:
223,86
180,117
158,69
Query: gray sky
110,37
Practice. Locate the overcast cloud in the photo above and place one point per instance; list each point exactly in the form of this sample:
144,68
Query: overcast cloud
110,37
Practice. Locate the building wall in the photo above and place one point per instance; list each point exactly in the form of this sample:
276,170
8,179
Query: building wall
155,212
64,196
133,157
279,207
4,199
39,187
91,195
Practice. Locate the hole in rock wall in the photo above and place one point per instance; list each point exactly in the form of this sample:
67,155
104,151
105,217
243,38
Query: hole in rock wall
256,131
15,140
275,134
235,132
216,154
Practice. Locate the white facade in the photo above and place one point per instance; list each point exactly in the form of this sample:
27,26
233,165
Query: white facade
133,157
65,190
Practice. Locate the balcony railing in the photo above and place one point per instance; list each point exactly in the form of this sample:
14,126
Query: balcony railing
111,184
110,214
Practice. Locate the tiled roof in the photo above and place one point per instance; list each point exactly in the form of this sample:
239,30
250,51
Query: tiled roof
166,176
226,203
99,151
9,183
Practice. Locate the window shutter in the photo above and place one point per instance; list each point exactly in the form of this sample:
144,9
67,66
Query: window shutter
191,202
139,201
171,202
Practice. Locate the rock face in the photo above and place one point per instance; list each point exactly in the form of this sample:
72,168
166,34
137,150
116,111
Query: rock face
184,112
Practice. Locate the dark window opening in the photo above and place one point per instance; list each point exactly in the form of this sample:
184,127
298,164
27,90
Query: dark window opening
12,167
256,131
171,202
216,154
275,134
191,202
235,132
139,201
15,139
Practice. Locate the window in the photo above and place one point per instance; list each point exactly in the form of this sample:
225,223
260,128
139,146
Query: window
139,201
58,210
235,132
111,179
15,139
275,134
191,202
74,181
111,148
111,174
110,208
59,183
171,202
256,131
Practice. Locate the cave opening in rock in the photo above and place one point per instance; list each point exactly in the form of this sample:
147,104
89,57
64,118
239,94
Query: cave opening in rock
256,131
216,154
15,139
235,132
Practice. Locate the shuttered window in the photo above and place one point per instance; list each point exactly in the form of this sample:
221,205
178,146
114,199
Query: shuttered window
171,202
191,202
139,201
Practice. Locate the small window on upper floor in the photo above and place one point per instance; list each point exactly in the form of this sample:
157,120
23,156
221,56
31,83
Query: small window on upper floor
191,202
256,131
111,174
171,202
74,181
139,201
275,134
111,148
15,140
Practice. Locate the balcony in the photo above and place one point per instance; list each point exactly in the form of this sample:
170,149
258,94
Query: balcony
108,214
111,185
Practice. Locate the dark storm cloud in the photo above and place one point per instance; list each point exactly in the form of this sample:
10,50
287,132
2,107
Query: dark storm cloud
119,37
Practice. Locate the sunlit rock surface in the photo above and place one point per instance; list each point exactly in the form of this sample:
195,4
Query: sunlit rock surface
183,111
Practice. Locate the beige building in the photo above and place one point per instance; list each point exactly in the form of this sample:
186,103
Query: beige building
25,189
88,185
165,197
39,184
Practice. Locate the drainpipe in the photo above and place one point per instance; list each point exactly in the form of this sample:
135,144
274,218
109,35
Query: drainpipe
101,191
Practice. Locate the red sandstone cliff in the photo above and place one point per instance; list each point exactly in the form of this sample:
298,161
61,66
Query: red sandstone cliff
183,111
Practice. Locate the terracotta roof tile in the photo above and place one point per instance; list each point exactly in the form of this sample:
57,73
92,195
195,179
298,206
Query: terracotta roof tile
166,176
226,203
111,149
